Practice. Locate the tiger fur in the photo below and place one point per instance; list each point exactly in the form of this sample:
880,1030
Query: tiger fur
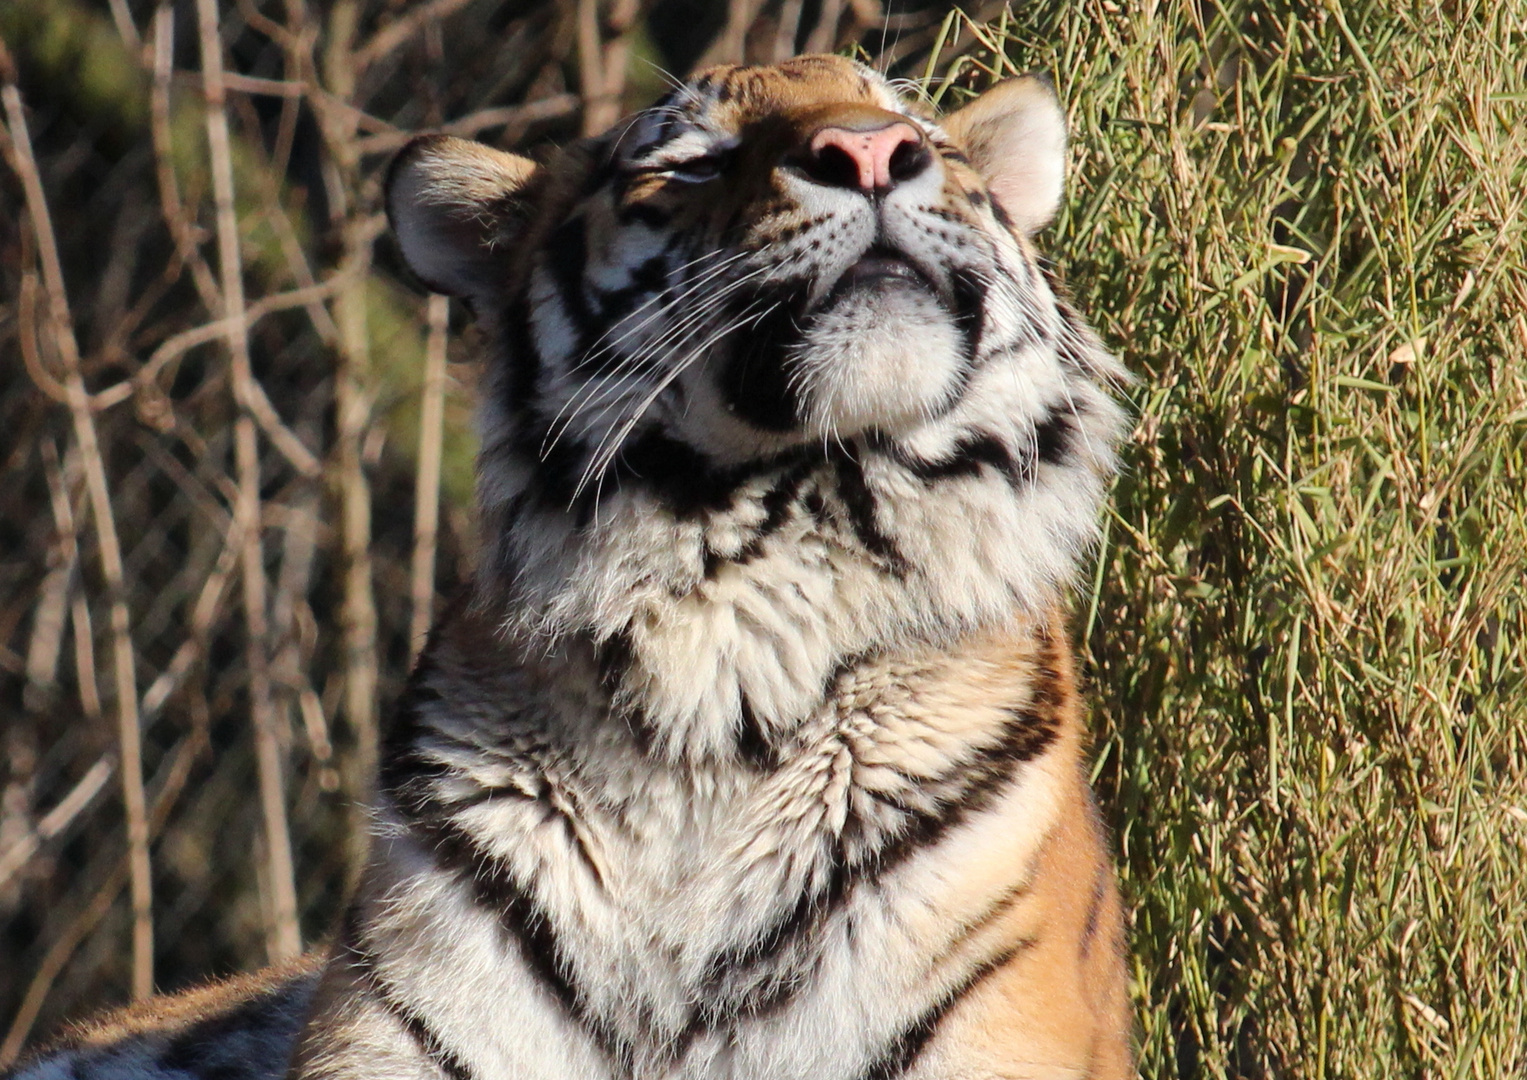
755,750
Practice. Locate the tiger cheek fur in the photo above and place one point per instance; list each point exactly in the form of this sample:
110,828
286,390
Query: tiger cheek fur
755,750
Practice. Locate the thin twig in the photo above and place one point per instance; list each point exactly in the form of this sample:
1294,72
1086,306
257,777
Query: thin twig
209,605
353,406
123,17
26,336
789,29
284,938
731,43
287,442
389,38
128,734
427,483
175,773
50,618
58,819
513,117
591,68
293,621
186,234
618,24
178,344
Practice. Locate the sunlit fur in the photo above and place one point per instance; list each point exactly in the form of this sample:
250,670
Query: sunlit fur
755,751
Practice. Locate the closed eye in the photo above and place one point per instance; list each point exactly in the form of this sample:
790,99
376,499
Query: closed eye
693,170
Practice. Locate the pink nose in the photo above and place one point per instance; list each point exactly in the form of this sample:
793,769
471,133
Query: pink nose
869,159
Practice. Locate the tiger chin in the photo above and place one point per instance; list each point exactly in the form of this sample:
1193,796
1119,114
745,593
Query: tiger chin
755,749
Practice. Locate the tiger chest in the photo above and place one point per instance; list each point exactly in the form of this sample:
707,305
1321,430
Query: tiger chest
677,913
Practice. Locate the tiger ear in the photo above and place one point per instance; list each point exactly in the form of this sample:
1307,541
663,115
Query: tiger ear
452,204
1015,136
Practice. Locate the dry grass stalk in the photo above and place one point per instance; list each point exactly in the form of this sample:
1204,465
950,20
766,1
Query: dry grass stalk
427,483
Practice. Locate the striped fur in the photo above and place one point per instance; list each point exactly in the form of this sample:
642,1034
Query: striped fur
241,1029
755,750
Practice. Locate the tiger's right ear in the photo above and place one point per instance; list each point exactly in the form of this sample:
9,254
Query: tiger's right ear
453,204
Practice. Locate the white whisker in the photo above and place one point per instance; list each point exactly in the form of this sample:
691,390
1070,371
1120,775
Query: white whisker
611,444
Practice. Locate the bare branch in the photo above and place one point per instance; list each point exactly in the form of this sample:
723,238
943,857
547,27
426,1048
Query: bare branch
175,775
123,17
58,819
284,939
386,40
178,344
510,116
49,617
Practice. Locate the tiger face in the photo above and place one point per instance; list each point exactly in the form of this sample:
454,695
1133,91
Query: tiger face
778,381
766,258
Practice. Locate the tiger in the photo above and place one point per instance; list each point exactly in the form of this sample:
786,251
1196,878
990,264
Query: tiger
754,748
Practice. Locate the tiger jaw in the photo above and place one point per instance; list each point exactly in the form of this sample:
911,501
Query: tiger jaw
884,357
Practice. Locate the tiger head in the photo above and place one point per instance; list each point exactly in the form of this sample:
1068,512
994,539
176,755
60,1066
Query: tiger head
780,294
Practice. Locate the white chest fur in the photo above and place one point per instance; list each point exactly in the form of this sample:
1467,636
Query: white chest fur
786,921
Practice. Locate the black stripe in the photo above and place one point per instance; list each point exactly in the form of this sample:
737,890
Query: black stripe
643,213
524,361
753,745
968,457
999,212
404,776
993,913
425,1037
598,177
1094,909
566,253
648,278
409,779
859,500
493,886
903,1050
689,483
246,1041
777,503
1074,344
1052,437
969,311
686,479
1028,732
756,377
613,657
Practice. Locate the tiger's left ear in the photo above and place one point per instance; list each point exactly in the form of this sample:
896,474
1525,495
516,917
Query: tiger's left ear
454,206
1015,136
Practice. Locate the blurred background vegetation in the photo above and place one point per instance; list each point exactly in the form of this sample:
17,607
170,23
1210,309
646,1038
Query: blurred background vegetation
237,456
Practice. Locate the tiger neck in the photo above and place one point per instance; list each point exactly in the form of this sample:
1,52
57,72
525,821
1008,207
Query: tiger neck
480,703
709,624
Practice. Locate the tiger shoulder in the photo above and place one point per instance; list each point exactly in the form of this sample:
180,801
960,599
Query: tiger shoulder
754,749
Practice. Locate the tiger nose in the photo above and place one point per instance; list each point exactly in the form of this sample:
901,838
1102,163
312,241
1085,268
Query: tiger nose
872,159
